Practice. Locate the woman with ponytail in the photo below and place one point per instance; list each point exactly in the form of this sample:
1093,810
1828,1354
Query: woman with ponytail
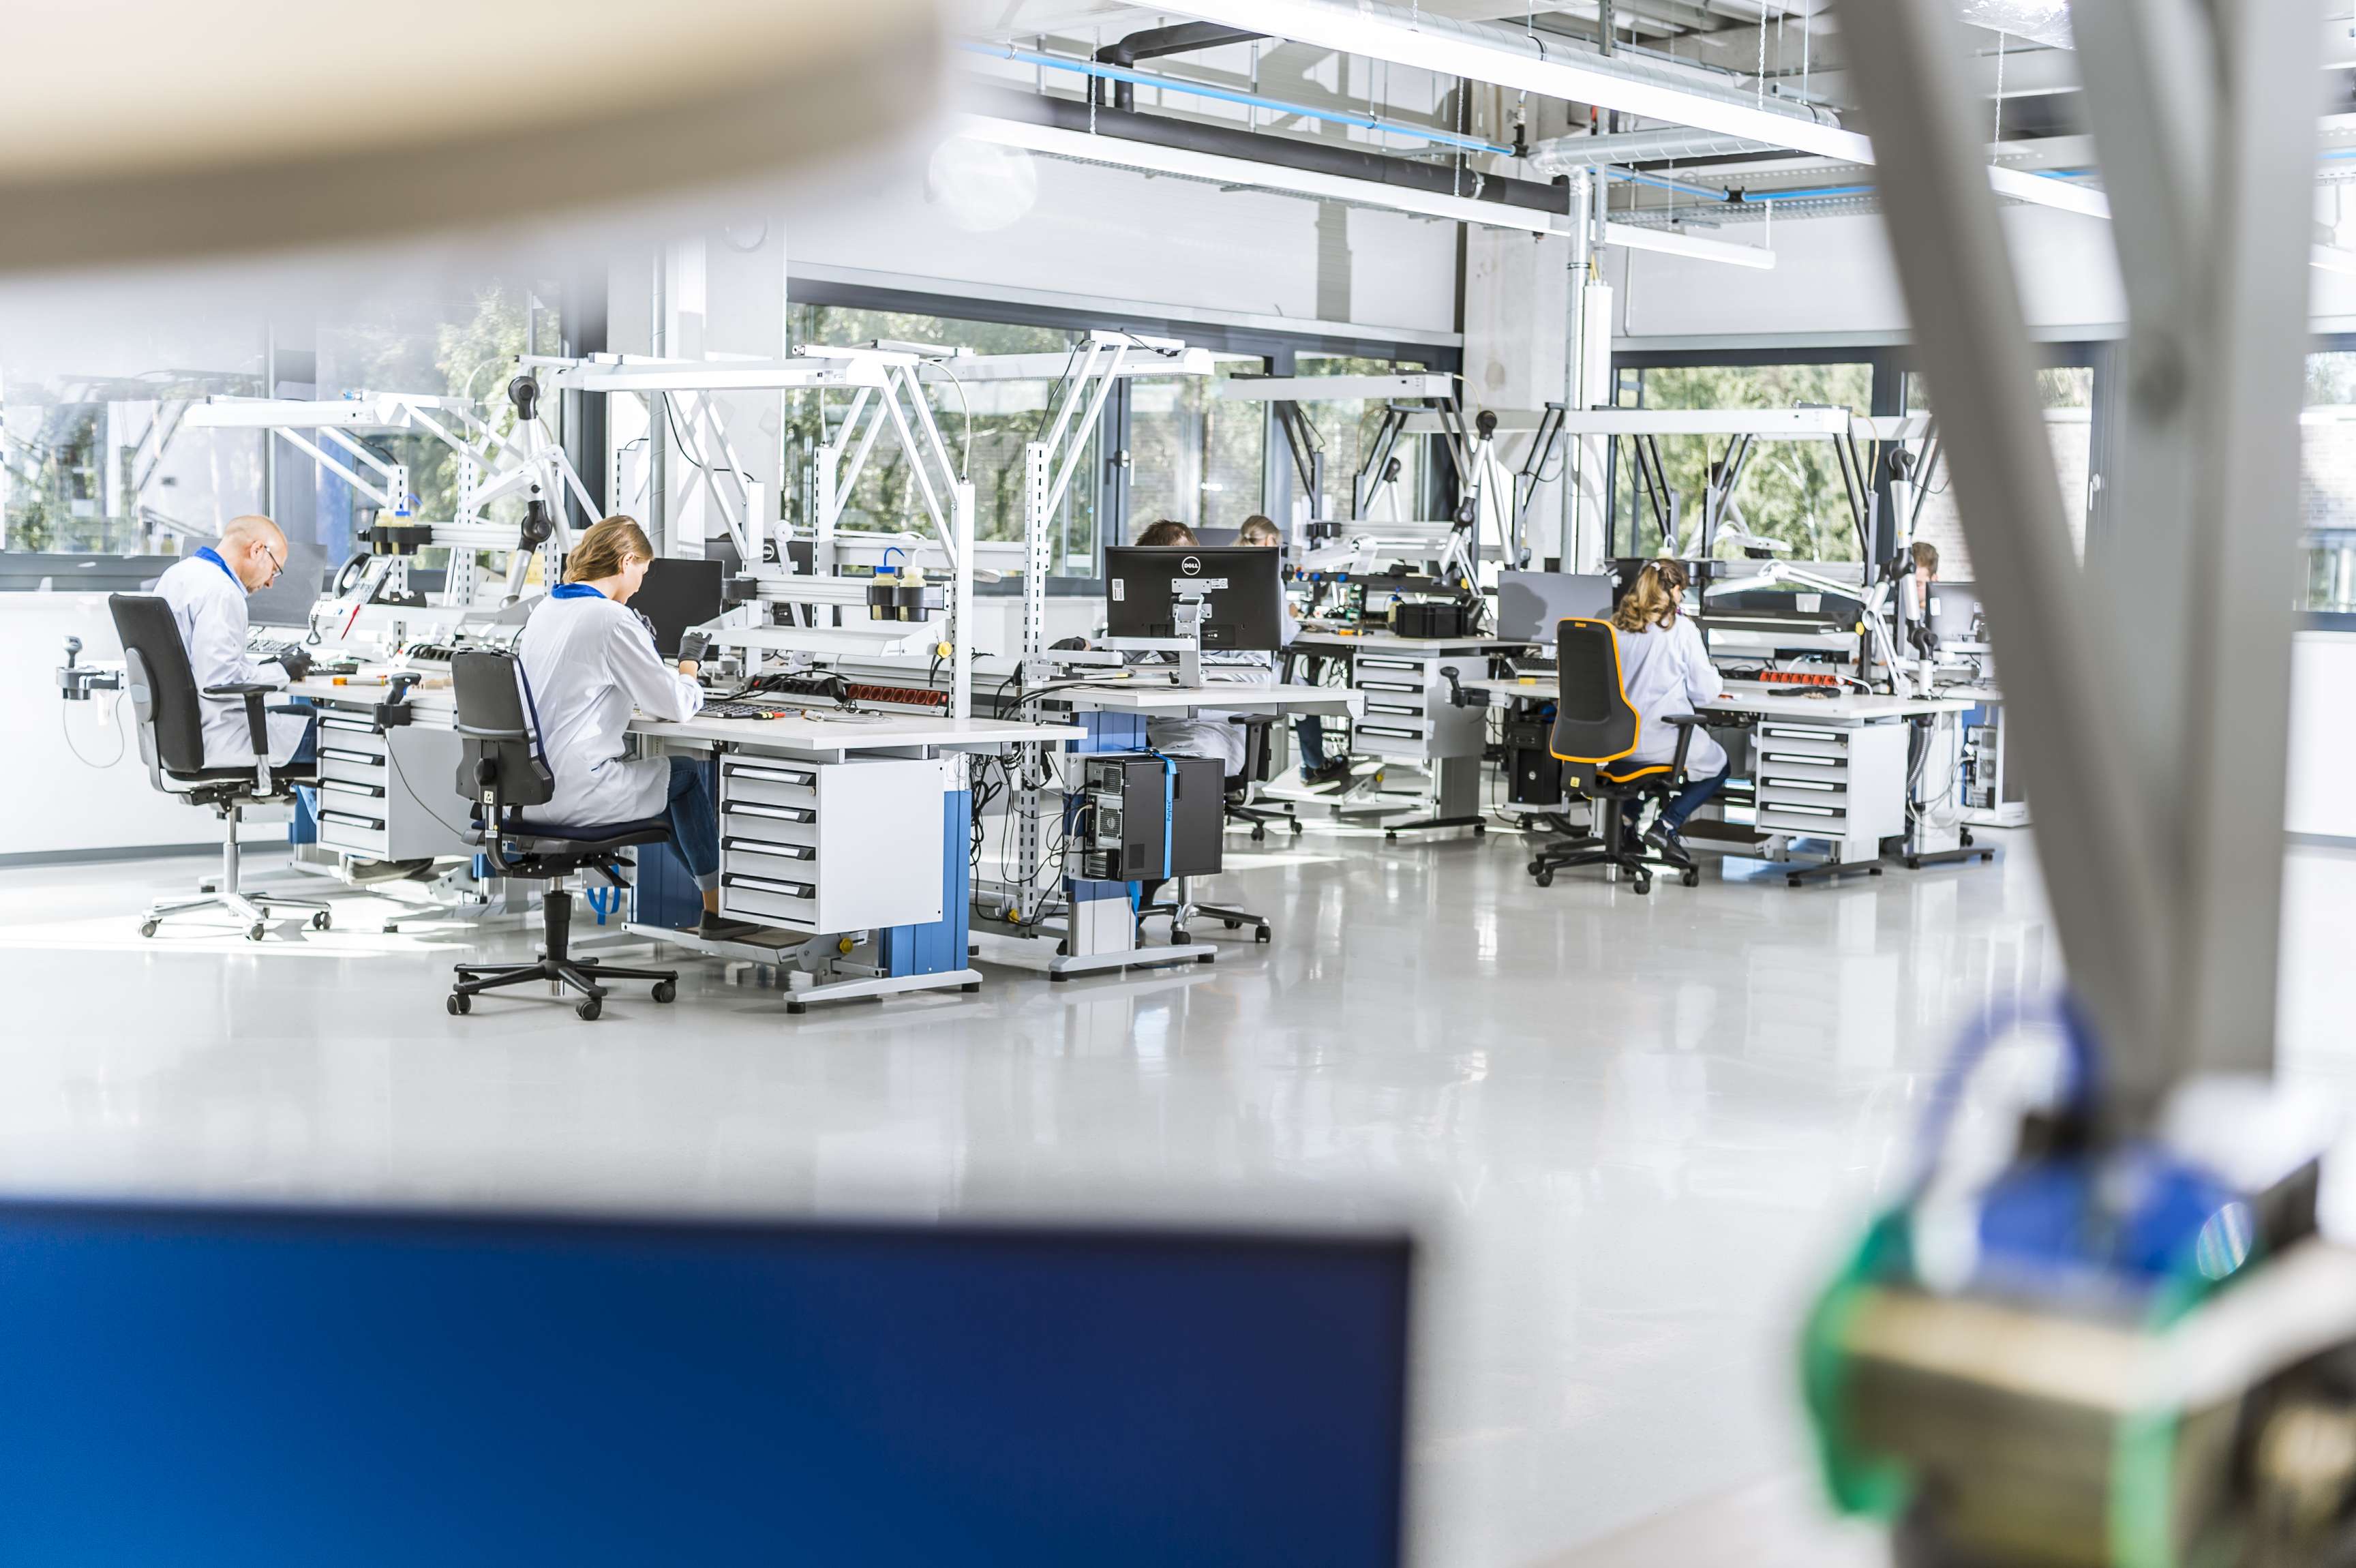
1667,672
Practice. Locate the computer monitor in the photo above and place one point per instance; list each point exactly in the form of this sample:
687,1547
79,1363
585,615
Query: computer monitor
239,1385
1530,602
1243,595
677,593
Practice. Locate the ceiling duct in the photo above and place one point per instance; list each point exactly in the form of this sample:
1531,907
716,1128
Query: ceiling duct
1568,155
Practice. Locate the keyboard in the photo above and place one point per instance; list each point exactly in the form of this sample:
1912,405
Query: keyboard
1533,667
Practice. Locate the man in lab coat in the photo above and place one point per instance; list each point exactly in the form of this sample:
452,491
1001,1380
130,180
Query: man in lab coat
207,592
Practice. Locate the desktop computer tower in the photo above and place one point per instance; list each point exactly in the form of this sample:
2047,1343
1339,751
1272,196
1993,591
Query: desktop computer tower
1533,772
1144,817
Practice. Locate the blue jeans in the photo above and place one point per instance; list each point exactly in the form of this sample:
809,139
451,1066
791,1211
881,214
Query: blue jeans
694,824
1310,731
1687,800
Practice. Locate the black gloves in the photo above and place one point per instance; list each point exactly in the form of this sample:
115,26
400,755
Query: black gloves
297,662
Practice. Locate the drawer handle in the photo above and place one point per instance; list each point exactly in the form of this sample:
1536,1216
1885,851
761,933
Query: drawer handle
1389,732
1788,731
374,824
1818,785
1388,664
774,813
348,787
780,851
1403,712
362,758
772,775
769,885
350,726
1802,811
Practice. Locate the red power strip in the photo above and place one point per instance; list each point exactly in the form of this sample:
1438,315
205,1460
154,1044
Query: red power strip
1796,678
907,697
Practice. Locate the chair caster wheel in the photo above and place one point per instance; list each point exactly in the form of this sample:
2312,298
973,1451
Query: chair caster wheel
1545,878
1260,835
589,1007
1295,825
322,920
1062,950
254,933
1966,838
459,1003
970,986
1180,937
1233,925
1479,830
1691,878
1643,885
796,1008
1261,935
147,927
1533,868
666,989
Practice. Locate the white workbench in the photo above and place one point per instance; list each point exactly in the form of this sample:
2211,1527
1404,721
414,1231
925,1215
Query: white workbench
1828,767
1229,696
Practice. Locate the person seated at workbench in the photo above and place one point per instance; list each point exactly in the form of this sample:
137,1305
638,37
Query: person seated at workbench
1317,770
1204,734
587,660
207,592
1666,672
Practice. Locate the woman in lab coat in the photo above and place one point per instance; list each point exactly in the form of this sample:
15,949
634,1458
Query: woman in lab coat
1666,672
588,659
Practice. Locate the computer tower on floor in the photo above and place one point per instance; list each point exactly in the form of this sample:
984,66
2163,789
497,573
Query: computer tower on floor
1533,772
1145,816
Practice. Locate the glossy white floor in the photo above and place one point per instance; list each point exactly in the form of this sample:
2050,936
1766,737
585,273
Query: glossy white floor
1639,1127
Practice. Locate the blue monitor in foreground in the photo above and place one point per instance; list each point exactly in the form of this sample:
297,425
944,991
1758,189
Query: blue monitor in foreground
258,1387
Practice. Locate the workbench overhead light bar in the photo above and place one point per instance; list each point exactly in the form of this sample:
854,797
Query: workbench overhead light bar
1450,49
1054,140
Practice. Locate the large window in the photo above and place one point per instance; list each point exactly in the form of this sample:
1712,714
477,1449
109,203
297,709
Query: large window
2067,393
2327,483
1348,426
92,464
1789,490
997,418
1193,455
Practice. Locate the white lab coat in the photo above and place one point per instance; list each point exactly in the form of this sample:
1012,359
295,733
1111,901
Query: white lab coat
588,661
1666,671
208,604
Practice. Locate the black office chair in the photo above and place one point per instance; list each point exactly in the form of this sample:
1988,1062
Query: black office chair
1595,729
169,718
1258,763
502,770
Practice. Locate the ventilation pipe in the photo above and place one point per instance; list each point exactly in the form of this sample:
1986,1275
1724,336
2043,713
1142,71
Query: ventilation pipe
1155,42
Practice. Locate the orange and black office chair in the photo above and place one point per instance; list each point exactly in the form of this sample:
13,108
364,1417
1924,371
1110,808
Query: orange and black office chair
1595,729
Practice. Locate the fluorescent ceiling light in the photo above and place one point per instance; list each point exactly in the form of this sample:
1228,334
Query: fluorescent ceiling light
1054,140
1379,33
1669,242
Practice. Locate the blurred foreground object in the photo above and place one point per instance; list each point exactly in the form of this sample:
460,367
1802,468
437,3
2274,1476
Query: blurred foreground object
210,1384
2122,1342
135,131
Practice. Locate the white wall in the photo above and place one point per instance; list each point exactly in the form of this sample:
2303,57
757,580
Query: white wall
2322,737
50,800
1109,234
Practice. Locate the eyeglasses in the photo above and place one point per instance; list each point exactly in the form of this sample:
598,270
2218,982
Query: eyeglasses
277,564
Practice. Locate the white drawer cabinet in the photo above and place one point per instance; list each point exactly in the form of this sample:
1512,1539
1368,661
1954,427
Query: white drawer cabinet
389,794
836,847
1832,781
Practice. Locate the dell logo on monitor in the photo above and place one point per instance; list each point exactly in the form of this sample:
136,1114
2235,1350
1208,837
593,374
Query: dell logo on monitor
1191,565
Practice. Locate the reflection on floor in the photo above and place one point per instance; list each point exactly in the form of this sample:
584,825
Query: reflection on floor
1638,1126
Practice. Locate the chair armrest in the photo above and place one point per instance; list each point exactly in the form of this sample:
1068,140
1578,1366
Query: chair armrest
1684,724
257,724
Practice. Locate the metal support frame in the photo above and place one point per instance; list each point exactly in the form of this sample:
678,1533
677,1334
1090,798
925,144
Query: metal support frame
2163,794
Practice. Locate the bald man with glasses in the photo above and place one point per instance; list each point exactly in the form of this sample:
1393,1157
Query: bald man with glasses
207,592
